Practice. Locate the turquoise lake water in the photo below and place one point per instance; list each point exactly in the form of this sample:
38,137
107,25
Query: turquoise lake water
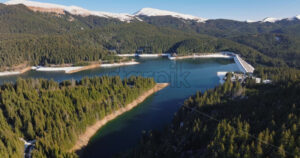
123,133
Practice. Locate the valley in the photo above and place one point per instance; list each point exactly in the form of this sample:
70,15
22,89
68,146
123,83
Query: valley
78,82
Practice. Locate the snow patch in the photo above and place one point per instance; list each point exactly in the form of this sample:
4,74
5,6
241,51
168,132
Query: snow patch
33,4
157,12
250,21
120,16
53,69
74,10
271,20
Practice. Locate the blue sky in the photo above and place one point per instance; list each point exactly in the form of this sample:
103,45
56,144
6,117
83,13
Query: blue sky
212,9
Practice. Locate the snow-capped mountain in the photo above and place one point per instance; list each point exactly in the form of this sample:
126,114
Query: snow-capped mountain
150,12
295,18
157,12
60,9
270,19
250,21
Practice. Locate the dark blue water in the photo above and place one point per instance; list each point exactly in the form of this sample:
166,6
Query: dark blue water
186,78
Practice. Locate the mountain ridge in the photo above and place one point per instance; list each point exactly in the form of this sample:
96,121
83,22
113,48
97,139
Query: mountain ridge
74,10
158,12
272,20
124,17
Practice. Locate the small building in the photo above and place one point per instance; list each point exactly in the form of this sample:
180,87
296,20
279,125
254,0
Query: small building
240,77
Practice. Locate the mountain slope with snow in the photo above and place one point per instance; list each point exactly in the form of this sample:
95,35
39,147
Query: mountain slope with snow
273,20
157,12
60,9
270,19
296,17
150,12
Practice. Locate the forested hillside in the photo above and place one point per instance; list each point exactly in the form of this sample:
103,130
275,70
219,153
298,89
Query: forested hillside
47,38
231,121
279,40
56,113
236,120
279,46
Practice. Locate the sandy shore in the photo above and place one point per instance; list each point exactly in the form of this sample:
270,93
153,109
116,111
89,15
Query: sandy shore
67,69
143,55
92,130
93,66
74,69
214,55
119,64
101,65
54,69
83,68
10,73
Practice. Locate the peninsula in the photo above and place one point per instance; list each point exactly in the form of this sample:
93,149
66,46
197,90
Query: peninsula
92,130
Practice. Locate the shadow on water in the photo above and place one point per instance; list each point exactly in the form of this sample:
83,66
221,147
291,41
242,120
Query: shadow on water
127,135
157,111
186,78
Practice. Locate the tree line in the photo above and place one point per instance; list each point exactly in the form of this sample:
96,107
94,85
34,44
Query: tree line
231,120
56,113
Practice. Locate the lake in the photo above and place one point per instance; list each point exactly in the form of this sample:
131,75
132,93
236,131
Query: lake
186,77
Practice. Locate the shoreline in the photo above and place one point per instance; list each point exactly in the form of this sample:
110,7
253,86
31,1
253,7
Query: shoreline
144,55
67,70
120,64
83,68
211,55
242,64
11,73
221,75
90,131
74,69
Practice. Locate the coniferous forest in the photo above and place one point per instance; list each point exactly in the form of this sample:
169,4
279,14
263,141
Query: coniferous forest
56,113
232,120
35,38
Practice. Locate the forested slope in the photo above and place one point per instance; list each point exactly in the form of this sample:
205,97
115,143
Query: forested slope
279,40
231,121
234,120
47,38
56,113
19,19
